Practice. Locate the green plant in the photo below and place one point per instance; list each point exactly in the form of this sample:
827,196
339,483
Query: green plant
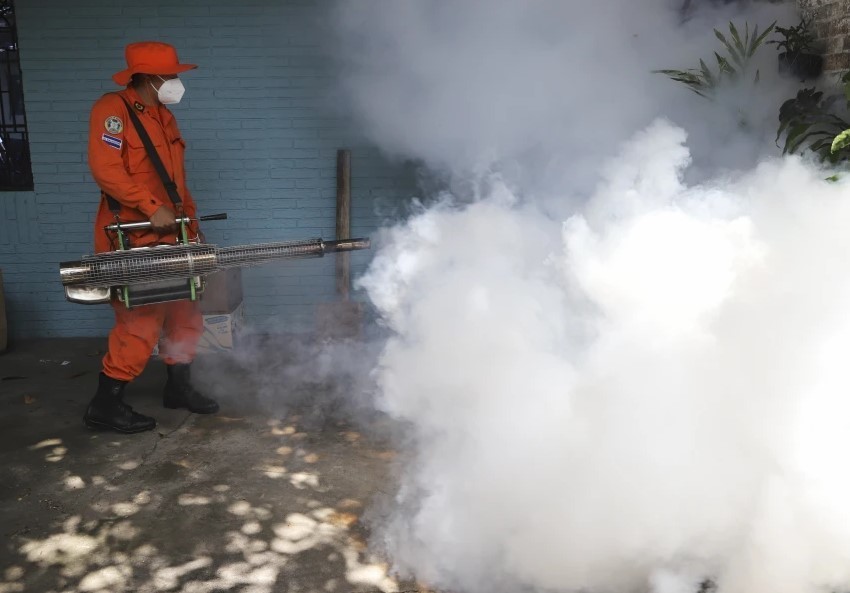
841,143
730,67
811,121
795,40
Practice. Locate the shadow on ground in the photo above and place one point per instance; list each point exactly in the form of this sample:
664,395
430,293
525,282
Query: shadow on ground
238,501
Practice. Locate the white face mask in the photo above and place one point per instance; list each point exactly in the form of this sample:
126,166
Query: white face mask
170,91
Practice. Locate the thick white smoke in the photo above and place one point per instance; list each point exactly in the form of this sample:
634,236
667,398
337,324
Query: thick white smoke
644,394
660,398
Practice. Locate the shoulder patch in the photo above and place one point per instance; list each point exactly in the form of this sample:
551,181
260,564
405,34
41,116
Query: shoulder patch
112,141
139,107
113,124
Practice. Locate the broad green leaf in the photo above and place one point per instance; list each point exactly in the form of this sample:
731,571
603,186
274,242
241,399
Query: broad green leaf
841,141
837,120
794,133
798,142
781,129
822,145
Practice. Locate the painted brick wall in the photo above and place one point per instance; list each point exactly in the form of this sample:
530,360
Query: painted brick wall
262,139
832,26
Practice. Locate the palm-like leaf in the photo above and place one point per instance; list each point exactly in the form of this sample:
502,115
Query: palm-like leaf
739,52
759,40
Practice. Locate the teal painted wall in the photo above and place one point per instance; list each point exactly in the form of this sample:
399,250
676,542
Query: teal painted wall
262,137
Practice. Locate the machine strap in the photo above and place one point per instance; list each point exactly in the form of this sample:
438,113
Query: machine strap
153,155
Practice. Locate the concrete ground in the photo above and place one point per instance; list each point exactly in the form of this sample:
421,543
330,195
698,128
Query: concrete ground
247,500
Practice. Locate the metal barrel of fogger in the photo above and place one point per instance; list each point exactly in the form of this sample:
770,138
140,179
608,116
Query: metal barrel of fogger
147,264
142,265
250,255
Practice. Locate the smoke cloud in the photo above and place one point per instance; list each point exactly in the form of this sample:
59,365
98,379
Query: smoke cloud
544,91
620,358
657,400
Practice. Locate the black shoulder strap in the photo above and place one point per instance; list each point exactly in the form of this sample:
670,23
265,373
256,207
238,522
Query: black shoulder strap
169,184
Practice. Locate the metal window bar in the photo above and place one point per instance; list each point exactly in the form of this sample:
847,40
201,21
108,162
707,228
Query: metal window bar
15,161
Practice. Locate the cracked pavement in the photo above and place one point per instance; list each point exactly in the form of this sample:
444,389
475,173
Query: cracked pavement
245,500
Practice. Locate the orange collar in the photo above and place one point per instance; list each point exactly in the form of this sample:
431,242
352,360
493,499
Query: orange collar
159,112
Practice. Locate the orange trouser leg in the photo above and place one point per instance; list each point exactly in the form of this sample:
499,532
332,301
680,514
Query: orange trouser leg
184,325
132,339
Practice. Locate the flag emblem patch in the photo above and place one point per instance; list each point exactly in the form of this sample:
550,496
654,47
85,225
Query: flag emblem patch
112,141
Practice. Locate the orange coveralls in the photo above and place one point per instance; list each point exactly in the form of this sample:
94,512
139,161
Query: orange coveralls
122,169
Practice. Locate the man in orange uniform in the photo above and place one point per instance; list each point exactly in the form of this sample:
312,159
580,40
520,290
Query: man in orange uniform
132,189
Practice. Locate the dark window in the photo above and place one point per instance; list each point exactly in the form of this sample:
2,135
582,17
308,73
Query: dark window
15,164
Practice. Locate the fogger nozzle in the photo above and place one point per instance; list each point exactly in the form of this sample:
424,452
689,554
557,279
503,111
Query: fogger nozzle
347,245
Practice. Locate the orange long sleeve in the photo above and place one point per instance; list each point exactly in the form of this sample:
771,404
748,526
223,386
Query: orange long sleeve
109,159
122,168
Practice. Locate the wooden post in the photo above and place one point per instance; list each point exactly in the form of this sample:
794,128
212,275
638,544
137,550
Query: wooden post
343,221
341,319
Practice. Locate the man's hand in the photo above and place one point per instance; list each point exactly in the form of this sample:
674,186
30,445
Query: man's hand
163,221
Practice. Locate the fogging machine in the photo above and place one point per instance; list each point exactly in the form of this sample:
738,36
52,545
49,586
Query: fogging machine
162,273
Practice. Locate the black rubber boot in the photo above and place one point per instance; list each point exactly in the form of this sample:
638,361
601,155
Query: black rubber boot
108,411
179,392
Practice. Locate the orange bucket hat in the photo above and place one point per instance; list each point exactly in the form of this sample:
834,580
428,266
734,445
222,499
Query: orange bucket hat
150,57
